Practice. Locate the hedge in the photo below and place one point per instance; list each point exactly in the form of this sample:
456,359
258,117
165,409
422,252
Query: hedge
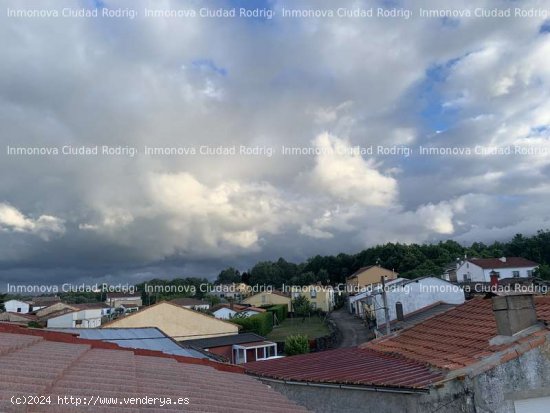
280,310
261,324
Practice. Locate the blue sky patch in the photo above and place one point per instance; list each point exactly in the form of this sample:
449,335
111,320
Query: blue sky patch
208,65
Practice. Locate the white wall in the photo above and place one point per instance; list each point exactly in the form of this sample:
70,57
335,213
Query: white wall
478,274
12,306
90,318
416,295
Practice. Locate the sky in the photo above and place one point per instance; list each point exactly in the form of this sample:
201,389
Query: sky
326,84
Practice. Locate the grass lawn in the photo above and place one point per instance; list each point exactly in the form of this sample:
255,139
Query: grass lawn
313,327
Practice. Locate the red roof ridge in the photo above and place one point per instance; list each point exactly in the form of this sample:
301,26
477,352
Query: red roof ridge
71,338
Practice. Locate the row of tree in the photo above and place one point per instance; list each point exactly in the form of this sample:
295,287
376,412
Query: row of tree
409,260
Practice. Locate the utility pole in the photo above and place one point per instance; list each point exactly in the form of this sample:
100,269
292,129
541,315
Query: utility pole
386,309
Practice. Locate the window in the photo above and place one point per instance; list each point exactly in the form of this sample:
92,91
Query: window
529,273
264,299
313,293
78,322
467,278
515,274
18,309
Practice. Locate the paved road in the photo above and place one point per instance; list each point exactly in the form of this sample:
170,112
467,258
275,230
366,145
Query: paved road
352,329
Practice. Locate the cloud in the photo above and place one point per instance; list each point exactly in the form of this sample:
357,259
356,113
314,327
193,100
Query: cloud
330,83
347,176
12,220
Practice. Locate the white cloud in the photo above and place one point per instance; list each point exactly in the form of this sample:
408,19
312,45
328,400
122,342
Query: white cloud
11,219
347,176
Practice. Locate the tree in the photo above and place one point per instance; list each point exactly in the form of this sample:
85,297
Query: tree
296,344
229,276
543,271
302,307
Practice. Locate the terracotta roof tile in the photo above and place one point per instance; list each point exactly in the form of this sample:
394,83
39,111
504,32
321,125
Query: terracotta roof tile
31,364
348,366
415,357
511,262
454,339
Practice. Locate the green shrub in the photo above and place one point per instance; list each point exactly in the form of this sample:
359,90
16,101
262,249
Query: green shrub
261,324
297,344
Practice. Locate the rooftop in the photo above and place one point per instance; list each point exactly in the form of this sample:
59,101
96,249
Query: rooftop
239,308
454,339
146,338
225,340
421,315
496,263
35,362
351,366
188,301
415,357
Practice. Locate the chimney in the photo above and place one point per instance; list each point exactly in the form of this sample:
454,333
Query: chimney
399,311
494,278
514,313
503,259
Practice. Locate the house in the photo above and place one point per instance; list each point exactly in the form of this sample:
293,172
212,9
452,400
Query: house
53,308
235,291
85,316
267,298
486,355
406,296
43,301
41,364
227,311
18,306
321,297
17,318
177,322
480,269
366,276
239,348
191,303
126,308
116,299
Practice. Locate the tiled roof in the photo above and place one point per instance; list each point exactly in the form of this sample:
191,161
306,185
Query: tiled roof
454,339
412,358
224,340
368,267
35,362
360,270
495,263
352,366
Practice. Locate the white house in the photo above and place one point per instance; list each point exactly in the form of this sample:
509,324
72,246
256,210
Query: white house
115,299
354,301
412,295
227,311
479,269
18,306
191,303
224,313
86,318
